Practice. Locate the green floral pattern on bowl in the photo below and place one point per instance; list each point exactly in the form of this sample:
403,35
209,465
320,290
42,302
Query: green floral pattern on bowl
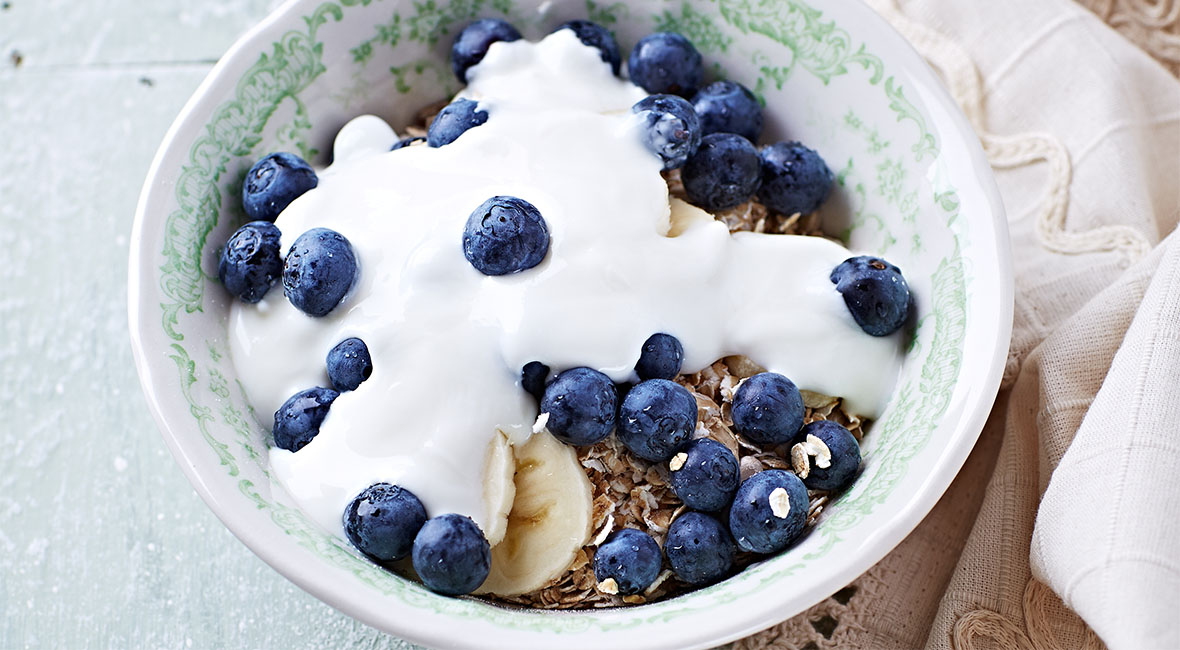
315,65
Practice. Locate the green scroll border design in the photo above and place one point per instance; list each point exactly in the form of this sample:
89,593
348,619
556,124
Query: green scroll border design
295,61
823,49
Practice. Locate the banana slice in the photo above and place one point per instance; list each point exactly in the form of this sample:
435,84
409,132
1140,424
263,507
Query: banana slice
549,522
499,490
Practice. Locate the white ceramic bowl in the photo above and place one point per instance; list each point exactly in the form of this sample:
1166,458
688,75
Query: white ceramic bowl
914,187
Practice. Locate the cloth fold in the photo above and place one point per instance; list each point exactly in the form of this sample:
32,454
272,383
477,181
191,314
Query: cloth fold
1107,535
1064,526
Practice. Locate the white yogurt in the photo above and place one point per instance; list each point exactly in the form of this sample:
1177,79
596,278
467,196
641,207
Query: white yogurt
448,343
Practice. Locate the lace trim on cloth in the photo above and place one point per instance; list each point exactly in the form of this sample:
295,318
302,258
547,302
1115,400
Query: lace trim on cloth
825,626
1154,25
1011,151
1036,634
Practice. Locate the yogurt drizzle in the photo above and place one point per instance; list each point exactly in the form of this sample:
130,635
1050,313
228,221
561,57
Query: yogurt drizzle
448,343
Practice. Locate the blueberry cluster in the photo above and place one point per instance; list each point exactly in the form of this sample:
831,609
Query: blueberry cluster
449,552
471,46
656,420
320,267
299,419
708,130
710,133
317,273
387,522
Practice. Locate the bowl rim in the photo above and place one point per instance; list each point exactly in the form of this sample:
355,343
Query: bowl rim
341,595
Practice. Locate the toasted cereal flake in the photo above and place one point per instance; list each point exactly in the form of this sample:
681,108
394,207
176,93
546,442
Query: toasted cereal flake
655,476
664,575
594,464
635,506
659,520
583,581
748,446
702,430
634,599
749,466
729,386
603,506
817,448
821,412
780,502
604,532
814,400
727,437
609,586
648,500
774,460
580,560
742,367
678,461
799,460
681,509
819,499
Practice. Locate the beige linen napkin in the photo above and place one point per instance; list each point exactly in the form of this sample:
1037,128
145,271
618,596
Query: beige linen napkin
1071,501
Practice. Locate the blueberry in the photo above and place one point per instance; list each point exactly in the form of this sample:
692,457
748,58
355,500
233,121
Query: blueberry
273,182
532,378
581,405
768,511
724,171
383,520
505,235
699,548
454,120
794,179
837,448
666,62
657,417
405,142
728,107
319,271
768,409
472,43
349,364
707,475
298,420
660,358
451,555
594,35
875,292
671,129
631,558
251,261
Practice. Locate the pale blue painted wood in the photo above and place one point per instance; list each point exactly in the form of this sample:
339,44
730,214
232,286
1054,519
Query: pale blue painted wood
103,543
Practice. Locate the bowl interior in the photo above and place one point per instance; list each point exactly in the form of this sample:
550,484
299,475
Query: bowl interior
912,186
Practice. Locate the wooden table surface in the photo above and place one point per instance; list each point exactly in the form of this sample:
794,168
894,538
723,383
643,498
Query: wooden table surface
103,543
